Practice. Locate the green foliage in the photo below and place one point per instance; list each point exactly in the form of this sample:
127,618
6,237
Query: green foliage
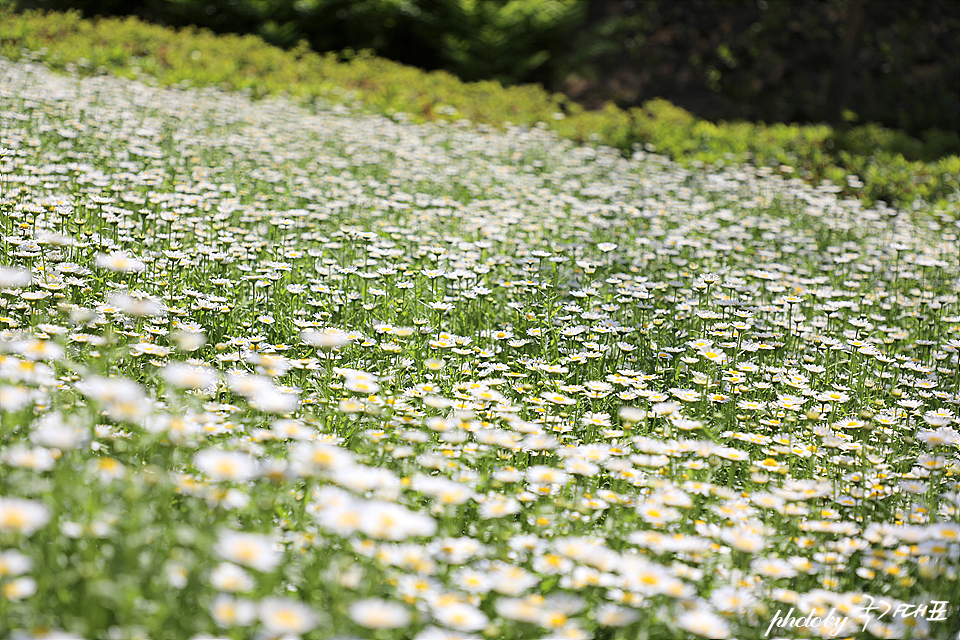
832,61
891,165
506,40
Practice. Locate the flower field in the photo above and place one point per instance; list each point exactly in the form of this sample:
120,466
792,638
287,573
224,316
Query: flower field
276,370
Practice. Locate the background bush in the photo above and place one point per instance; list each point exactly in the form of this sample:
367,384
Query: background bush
893,63
507,40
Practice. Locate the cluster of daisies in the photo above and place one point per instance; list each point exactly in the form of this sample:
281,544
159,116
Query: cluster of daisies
283,370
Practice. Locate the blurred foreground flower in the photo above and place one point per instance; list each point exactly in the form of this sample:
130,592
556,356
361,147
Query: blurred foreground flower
22,516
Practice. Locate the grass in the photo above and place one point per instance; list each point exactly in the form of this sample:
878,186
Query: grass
313,372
